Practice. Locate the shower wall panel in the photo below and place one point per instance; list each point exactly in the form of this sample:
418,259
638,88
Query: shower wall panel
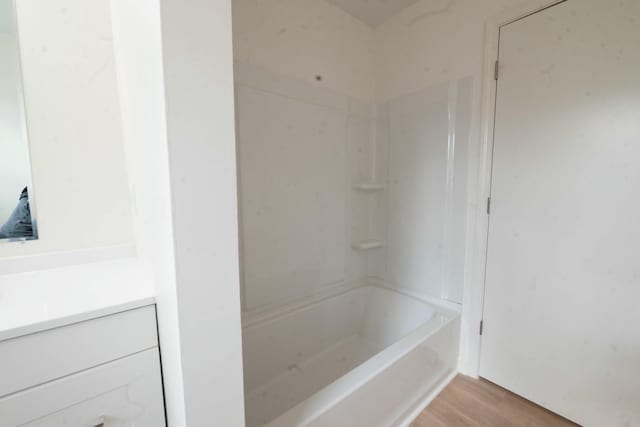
293,162
299,149
428,134
418,132
309,40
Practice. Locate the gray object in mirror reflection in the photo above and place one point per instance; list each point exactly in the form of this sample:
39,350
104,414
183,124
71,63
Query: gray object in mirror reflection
19,225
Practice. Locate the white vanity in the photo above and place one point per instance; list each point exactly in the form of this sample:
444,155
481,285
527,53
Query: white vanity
90,360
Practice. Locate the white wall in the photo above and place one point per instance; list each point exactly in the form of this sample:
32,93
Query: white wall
302,149
174,66
303,39
138,46
198,81
433,42
182,166
428,139
73,117
303,144
293,170
437,42
15,171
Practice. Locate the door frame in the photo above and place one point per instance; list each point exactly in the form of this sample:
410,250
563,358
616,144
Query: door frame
478,222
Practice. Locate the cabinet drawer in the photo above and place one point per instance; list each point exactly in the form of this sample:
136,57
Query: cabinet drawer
31,360
123,393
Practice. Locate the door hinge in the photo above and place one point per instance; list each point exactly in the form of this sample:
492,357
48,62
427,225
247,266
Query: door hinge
496,70
481,326
488,205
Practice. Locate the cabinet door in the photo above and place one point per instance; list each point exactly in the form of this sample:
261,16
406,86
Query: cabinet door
123,393
35,359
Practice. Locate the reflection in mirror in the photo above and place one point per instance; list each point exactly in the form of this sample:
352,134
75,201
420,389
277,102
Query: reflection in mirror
17,214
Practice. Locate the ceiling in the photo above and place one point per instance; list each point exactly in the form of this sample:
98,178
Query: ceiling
372,12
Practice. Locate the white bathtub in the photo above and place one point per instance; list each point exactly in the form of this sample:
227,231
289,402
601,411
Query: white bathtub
366,357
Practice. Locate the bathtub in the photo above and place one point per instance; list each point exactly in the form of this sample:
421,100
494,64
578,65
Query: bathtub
365,357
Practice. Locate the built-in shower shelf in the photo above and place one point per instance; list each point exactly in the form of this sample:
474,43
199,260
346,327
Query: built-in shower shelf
370,187
364,245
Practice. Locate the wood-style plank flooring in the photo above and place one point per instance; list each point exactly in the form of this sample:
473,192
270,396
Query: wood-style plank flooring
468,402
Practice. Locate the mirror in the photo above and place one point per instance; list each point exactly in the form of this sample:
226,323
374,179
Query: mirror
17,211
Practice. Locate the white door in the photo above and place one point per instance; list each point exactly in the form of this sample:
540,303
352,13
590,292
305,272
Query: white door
562,298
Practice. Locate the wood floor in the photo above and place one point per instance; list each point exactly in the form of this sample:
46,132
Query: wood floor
467,402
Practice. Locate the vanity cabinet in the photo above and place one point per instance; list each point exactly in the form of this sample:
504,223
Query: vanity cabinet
102,372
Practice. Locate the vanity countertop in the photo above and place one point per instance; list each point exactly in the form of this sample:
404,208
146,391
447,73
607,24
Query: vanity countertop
39,300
